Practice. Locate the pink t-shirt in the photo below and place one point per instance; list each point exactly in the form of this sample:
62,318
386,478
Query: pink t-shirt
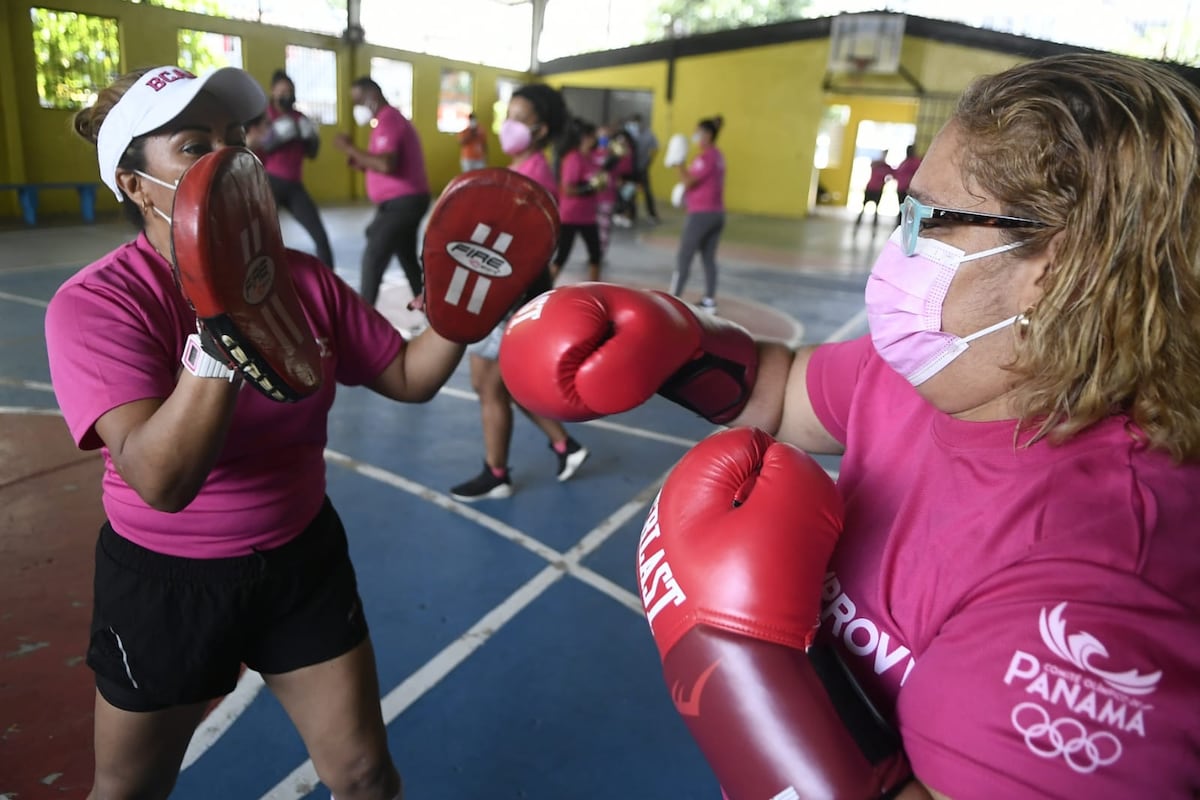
286,162
609,193
708,194
536,167
880,172
1028,617
395,134
904,173
115,332
576,209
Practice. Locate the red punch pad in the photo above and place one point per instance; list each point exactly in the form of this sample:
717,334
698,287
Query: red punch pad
233,269
491,233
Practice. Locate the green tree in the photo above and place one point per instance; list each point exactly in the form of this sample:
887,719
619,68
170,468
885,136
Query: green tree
76,55
201,52
686,17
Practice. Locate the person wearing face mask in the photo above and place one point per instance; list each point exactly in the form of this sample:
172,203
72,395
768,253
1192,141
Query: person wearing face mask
214,495
704,195
397,184
536,118
472,145
283,137
1007,569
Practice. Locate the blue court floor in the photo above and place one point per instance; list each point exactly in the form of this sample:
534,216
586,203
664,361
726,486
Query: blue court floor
514,660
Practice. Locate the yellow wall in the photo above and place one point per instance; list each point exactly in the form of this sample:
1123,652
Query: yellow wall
836,179
767,95
38,145
772,100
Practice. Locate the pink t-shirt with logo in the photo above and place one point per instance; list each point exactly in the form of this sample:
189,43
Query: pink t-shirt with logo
536,167
393,133
1028,617
115,332
708,195
576,209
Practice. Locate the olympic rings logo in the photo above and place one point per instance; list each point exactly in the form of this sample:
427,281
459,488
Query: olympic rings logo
1065,737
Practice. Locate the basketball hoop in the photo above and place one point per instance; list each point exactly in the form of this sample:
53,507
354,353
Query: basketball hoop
859,65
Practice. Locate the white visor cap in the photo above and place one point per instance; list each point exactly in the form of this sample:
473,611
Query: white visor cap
160,96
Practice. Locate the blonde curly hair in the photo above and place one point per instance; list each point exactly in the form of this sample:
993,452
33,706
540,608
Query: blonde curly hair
1106,151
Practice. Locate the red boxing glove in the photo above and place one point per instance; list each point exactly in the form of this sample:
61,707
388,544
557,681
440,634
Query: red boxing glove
593,349
730,564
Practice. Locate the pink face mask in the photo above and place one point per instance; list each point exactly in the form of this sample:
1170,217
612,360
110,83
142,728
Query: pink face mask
515,137
904,306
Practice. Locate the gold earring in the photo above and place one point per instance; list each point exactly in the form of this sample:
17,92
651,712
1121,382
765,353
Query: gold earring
1022,325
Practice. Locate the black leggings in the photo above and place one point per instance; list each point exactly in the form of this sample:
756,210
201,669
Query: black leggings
295,198
566,240
393,232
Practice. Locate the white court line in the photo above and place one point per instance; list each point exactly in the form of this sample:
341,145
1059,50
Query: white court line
463,394
568,562
29,410
302,780
37,386
221,718
29,301
851,326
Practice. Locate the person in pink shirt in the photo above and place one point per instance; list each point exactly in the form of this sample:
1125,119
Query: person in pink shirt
397,184
580,179
881,173
214,494
283,137
704,195
606,196
903,173
1000,596
536,117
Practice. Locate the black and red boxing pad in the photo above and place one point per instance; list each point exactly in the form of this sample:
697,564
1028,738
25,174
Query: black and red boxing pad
232,268
490,235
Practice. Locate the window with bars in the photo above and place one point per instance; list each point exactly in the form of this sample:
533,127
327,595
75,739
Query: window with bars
322,16
202,51
75,56
395,79
314,72
504,92
455,100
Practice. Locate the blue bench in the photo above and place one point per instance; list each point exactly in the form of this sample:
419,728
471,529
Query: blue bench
27,196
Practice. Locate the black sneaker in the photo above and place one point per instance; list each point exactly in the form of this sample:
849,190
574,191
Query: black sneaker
484,486
570,460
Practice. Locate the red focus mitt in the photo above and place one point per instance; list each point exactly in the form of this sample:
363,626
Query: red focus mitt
490,236
233,269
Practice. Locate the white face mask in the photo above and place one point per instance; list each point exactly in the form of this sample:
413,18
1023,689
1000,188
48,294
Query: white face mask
165,185
363,115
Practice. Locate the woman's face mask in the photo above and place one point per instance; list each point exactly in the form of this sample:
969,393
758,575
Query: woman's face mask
515,137
165,185
362,115
904,306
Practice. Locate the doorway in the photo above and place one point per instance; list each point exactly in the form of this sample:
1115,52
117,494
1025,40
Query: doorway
873,140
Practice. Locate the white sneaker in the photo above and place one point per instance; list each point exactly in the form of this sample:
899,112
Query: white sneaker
708,305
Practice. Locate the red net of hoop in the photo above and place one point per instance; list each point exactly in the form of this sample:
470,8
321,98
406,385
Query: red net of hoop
859,66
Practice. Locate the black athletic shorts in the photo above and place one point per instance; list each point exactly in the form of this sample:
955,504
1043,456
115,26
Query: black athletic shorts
170,631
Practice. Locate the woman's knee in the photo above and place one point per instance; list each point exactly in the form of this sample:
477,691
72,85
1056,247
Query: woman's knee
362,776
121,784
